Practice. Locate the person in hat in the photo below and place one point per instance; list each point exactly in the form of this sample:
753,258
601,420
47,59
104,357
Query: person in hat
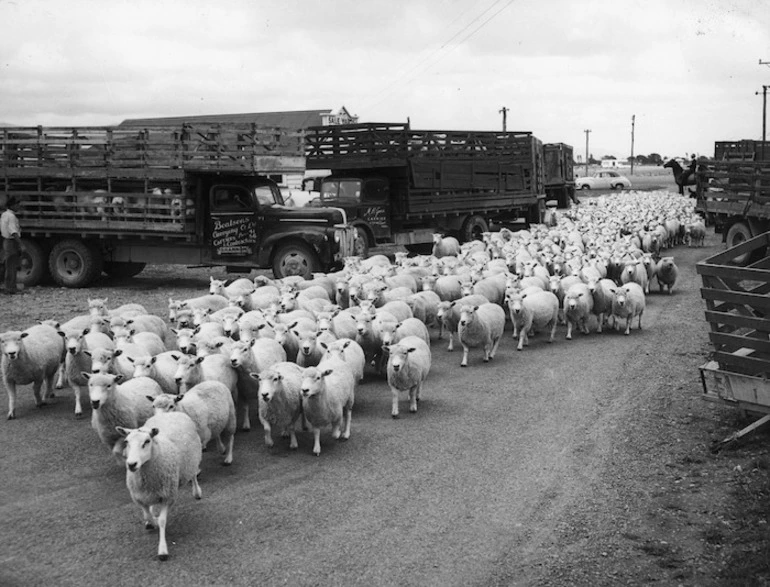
11,234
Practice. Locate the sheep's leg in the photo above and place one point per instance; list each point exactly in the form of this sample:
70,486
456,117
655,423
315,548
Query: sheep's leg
78,406
348,415
464,362
147,517
317,441
585,326
522,338
495,344
640,319
246,425
268,430
162,546
36,387
414,395
553,329
196,488
600,320
451,346
60,376
227,447
394,406
569,329
515,327
628,324
11,390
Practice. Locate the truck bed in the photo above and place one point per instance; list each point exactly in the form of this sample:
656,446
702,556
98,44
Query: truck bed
734,188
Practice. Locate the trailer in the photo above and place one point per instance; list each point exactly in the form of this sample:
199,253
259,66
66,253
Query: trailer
733,190
559,173
111,199
400,185
738,313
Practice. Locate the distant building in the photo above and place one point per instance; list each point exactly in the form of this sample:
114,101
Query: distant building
614,163
294,120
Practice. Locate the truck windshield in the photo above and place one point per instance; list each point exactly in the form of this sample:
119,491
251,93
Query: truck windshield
267,195
339,190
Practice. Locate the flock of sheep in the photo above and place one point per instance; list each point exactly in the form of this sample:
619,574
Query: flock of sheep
161,388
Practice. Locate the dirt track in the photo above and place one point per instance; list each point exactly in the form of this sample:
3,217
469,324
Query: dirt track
584,462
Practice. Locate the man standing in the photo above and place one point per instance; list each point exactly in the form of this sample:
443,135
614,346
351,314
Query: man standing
11,233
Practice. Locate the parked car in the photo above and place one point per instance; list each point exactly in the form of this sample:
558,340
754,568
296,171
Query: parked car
603,180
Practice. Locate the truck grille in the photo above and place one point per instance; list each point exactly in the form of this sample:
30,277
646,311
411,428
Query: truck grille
345,236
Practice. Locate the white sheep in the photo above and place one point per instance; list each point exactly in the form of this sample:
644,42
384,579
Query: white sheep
32,356
409,363
280,400
239,287
666,273
448,315
311,349
161,368
143,323
424,306
215,302
348,350
219,345
210,406
635,271
629,303
602,292
578,306
160,457
532,312
392,333
185,340
483,326
445,246
78,359
695,233
328,394
118,403
149,342
342,323
98,307
253,356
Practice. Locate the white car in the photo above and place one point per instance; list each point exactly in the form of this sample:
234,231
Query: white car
603,180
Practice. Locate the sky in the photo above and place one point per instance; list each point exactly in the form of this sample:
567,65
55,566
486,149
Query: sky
687,70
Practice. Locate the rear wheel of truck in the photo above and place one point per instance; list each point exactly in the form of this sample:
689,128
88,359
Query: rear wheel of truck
73,263
123,269
33,265
295,258
474,228
737,234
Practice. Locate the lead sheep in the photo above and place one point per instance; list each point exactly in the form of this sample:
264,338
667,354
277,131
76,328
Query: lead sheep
116,403
280,400
328,394
161,456
32,356
578,306
210,406
666,273
482,326
629,303
532,312
409,363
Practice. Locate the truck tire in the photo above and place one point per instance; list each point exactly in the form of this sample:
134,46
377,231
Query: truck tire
123,269
74,263
33,265
737,234
295,258
473,228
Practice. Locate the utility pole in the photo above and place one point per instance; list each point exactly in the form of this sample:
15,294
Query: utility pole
504,110
764,111
587,131
633,122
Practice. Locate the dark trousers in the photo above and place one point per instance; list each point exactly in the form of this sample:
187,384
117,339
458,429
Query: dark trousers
11,258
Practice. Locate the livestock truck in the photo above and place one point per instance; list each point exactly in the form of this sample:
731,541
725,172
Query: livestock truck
733,190
399,185
112,199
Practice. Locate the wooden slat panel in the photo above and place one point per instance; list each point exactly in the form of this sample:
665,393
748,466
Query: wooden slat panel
737,321
755,301
745,365
732,342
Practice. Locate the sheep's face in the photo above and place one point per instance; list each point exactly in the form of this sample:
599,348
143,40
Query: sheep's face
138,447
184,371
466,315
165,403
239,353
185,340
269,381
388,332
200,316
467,288
100,388
74,343
363,323
230,325
97,307
142,367
101,360
185,318
307,343
621,297
216,286
11,344
515,304
312,380
173,307
398,356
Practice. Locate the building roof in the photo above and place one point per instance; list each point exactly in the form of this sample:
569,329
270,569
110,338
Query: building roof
293,120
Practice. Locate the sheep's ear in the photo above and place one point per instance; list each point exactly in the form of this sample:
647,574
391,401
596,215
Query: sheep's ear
61,333
293,325
197,329
296,333
86,331
130,321
88,353
178,398
86,374
327,372
346,344
152,361
154,432
324,345
174,330
199,360
24,334
118,352
411,349
176,357
130,359
254,376
252,342
118,378
219,344
122,431
149,397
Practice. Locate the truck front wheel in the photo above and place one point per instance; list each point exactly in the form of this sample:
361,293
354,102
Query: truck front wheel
474,228
73,263
295,258
361,248
33,266
737,234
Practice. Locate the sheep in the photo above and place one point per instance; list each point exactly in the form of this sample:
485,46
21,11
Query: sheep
118,403
32,356
328,394
254,324
190,371
98,307
341,323
445,246
253,356
185,340
119,361
214,302
160,368
149,342
409,363
210,406
219,345
602,292
480,325
578,305
628,303
78,359
311,350
447,287
393,333
239,287
143,323
424,306
695,233
448,315
160,457
634,271
348,350
534,311
280,400
666,273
